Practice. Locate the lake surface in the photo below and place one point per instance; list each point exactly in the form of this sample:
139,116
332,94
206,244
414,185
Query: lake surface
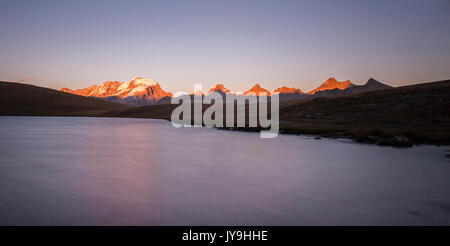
108,171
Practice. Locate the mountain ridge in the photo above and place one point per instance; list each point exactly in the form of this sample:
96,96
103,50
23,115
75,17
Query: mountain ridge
256,90
331,84
369,86
220,88
136,92
142,91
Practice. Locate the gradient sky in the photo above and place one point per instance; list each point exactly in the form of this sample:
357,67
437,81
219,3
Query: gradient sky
178,43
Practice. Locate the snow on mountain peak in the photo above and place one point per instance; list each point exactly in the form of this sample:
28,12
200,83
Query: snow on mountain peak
136,87
219,88
257,90
332,84
141,80
288,90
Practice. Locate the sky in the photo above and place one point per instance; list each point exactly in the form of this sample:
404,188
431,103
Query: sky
238,43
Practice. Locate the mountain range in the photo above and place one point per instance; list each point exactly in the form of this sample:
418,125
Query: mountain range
372,113
142,91
370,85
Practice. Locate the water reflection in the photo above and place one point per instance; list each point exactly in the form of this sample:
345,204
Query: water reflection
103,171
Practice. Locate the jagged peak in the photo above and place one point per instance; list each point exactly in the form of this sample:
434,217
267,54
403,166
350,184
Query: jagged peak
257,89
374,82
331,84
288,90
256,86
219,88
331,80
334,81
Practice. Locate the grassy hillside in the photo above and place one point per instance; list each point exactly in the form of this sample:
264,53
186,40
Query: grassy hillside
420,112
28,100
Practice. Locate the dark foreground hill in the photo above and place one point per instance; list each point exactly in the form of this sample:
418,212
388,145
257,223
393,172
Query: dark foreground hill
420,113
28,100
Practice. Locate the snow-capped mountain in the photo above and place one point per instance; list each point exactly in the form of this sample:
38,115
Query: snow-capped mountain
256,90
220,88
370,85
290,93
332,84
142,91
288,90
136,92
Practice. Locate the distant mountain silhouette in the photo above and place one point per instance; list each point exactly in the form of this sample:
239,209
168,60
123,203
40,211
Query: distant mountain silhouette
371,85
290,93
374,84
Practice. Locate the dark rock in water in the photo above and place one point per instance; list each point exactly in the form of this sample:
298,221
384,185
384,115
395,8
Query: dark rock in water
317,138
374,140
400,141
397,141
382,142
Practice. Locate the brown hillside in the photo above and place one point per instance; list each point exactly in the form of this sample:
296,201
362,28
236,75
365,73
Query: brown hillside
28,100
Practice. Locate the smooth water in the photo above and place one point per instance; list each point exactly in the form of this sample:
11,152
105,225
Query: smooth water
108,171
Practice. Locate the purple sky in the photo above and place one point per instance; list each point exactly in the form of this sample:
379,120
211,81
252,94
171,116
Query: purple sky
178,43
